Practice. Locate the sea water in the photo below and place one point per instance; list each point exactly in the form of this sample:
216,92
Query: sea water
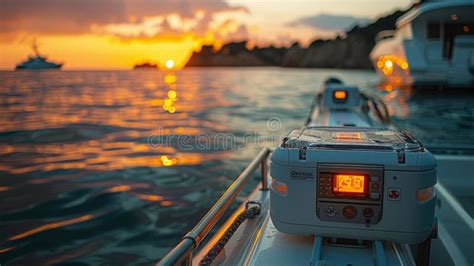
113,167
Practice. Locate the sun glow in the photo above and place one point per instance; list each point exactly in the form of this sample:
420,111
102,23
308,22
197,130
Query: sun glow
169,64
102,52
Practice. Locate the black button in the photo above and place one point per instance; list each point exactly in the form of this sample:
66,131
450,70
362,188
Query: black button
331,211
368,212
349,212
375,186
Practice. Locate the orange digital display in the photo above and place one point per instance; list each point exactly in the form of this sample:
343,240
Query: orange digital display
348,135
349,184
341,95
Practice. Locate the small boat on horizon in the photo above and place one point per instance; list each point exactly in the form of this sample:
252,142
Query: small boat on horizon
145,66
37,61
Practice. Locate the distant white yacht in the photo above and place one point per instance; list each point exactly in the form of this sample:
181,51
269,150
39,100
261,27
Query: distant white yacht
433,44
37,61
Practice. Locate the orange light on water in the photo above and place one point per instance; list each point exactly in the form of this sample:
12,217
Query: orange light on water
170,78
168,102
121,188
149,197
166,203
167,162
117,150
172,94
5,250
52,226
172,110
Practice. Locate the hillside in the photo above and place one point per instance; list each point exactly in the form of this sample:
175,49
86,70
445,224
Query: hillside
349,51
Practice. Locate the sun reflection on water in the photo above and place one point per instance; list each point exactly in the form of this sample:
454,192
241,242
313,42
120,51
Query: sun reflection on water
169,102
50,226
103,126
78,134
396,96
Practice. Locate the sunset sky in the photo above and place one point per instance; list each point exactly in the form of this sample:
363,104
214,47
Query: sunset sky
116,34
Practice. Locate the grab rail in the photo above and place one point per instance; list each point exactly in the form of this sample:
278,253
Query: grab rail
181,254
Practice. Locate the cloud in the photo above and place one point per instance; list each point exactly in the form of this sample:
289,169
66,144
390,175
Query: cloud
56,16
83,16
231,30
224,31
329,22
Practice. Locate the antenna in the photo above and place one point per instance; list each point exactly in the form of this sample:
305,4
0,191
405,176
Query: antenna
34,46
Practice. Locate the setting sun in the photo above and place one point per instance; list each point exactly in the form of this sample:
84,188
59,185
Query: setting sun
169,64
123,121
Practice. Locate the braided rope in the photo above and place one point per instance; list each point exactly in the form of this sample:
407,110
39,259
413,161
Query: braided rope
217,248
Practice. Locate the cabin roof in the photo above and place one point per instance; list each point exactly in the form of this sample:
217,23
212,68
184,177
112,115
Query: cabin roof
427,7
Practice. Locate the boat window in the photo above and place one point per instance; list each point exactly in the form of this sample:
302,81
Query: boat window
459,28
433,31
451,30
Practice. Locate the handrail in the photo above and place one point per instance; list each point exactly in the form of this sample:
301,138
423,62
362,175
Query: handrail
455,205
181,254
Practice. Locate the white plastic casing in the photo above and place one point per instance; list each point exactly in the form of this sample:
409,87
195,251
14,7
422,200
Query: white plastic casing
403,220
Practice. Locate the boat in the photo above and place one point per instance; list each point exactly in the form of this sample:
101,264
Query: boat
37,61
432,45
255,235
145,66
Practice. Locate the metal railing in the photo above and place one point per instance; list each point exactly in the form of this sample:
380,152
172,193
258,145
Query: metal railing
181,254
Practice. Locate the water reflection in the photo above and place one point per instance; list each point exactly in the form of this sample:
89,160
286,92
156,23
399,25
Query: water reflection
72,125
441,118
50,226
5,249
79,182
74,145
169,102
396,96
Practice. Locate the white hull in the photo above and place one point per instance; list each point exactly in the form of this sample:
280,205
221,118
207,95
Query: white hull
433,45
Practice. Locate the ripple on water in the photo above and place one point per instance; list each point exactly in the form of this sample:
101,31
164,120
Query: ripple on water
82,179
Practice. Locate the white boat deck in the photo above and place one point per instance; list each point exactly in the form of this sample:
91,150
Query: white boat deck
257,242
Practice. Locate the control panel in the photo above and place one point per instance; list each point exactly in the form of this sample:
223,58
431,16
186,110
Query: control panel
349,193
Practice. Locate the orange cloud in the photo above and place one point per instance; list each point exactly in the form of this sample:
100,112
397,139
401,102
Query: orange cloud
114,33
117,16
